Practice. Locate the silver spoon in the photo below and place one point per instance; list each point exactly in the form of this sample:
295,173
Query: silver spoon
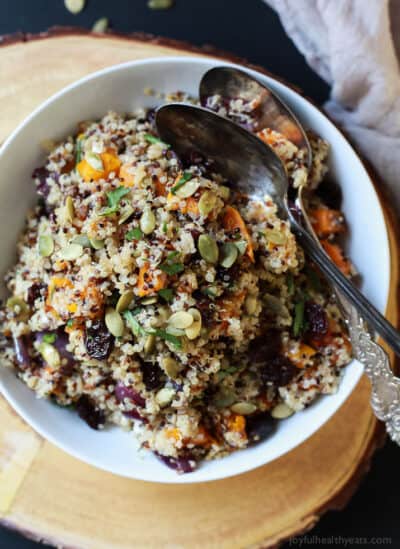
255,170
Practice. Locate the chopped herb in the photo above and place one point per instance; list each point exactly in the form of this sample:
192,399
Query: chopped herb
168,337
70,322
298,324
167,294
171,268
314,279
49,338
78,150
182,180
261,234
134,234
164,227
113,199
290,283
153,139
208,291
133,323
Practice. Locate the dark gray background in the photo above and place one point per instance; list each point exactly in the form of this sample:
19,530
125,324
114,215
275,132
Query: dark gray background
250,29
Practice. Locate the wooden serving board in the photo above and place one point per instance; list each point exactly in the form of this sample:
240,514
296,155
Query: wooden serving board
51,496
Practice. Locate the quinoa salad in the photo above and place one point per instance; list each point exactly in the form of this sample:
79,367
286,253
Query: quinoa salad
148,295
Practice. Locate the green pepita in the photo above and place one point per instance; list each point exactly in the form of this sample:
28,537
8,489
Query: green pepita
124,301
94,160
149,344
69,209
148,221
160,4
189,188
207,202
224,398
228,254
17,306
275,237
273,303
100,25
82,240
96,243
74,6
208,248
149,300
175,331
46,245
244,408
114,322
49,354
251,304
170,367
180,320
125,214
70,252
165,396
241,245
281,411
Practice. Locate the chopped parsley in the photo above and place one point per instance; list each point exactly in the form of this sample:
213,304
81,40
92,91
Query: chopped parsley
298,323
153,139
170,267
133,323
134,234
50,338
290,283
167,294
185,177
113,199
162,334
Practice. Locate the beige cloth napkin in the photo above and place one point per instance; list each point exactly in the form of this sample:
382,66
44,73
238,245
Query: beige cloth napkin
355,45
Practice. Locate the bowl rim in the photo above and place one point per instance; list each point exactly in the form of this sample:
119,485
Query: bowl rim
185,479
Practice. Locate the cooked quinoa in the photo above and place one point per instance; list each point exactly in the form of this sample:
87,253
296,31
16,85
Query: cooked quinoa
147,295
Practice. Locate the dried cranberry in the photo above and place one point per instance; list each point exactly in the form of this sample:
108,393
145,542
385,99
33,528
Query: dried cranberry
316,319
279,370
35,291
98,340
330,193
259,427
151,116
134,414
181,464
42,187
87,411
122,392
21,352
152,376
265,347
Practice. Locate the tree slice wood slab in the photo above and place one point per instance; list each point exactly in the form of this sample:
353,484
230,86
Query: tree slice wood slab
51,496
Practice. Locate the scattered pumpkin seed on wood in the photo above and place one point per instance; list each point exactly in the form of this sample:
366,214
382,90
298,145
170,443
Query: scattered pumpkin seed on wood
101,25
46,245
208,248
74,6
114,322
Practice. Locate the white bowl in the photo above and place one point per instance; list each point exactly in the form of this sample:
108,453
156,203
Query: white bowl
121,88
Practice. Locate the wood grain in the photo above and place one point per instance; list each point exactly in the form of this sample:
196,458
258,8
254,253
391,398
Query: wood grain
54,497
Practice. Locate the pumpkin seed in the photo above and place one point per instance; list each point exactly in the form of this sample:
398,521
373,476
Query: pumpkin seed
189,188
100,25
165,396
208,248
273,303
228,254
281,411
125,214
114,322
194,330
175,331
82,240
96,243
225,192
17,306
49,354
149,300
251,304
147,221
74,6
207,203
69,209
149,344
170,367
94,160
244,408
46,245
160,4
70,252
275,237
241,245
181,320
224,398
124,301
